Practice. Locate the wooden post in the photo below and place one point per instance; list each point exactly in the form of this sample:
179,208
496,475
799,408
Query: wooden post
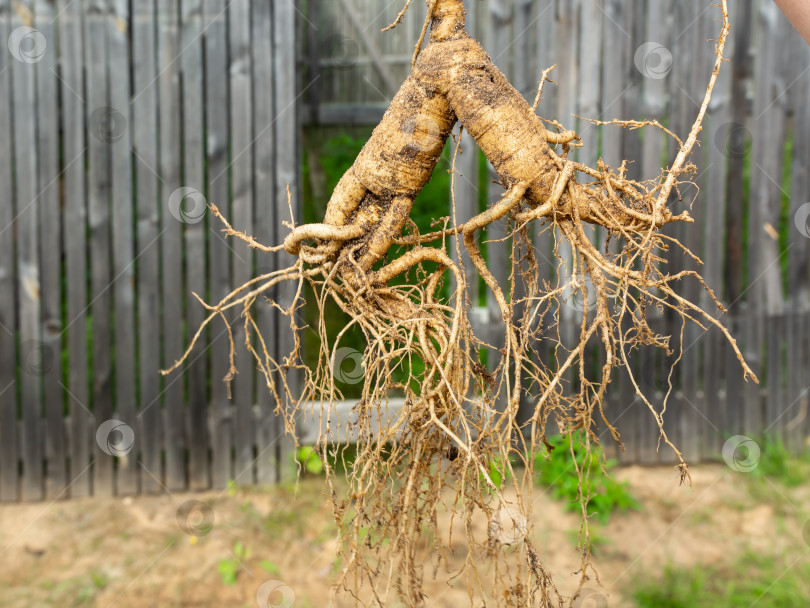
9,445
144,136
123,259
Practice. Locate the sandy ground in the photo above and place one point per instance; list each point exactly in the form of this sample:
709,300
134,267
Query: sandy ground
131,552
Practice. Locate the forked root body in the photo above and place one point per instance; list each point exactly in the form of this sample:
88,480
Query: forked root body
458,437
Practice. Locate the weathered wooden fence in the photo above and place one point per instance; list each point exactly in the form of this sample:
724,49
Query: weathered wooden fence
124,118
120,120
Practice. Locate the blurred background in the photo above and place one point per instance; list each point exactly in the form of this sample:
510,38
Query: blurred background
125,118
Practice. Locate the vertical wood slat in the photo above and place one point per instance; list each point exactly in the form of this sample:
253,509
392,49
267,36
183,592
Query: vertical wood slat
98,113
799,250
123,261
171,252
617,56
241,169
567,76
718,152
268,431
71,44
768,125
287,168
216,107
8,315
23,79
738,138
694,425
48,365
191,61
144,134
650,102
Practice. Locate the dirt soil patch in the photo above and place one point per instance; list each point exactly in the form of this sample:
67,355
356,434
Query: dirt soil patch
132,553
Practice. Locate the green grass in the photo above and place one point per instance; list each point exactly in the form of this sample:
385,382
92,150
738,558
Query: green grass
778,465
556,471
751,580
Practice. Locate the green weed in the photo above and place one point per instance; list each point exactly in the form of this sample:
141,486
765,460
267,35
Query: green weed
228,567
556,470
753,579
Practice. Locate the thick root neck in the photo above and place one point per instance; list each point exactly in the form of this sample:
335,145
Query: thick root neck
447,19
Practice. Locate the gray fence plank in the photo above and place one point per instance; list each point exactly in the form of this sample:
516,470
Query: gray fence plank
74,218
23,79
799,247
98,206
216,98
194,177
774,405
171,251
287,174
8,315
144,135
50,257
719,144
617,56
268,430
767,154
123,260
241,168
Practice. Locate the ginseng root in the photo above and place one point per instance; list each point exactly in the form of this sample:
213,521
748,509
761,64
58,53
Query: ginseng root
458,437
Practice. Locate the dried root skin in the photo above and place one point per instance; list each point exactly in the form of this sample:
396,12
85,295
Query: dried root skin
442,446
